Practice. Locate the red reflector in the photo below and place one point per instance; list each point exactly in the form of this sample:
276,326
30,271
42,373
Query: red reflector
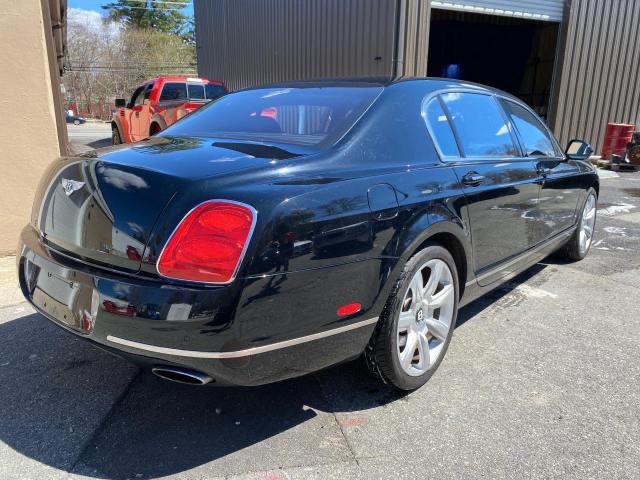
349,309
209,243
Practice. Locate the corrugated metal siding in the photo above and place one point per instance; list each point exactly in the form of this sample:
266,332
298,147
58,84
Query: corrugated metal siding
599,76
549,10
413,37
252,42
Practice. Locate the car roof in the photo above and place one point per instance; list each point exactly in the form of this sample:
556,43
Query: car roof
182,78
432,84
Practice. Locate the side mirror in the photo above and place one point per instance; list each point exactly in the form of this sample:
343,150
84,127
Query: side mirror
120,103
579,150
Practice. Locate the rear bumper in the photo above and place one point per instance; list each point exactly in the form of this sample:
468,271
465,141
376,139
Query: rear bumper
239,334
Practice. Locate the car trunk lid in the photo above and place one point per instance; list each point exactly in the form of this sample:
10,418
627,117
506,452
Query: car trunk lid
101,208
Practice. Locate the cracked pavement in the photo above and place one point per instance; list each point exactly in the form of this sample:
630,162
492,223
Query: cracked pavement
542,379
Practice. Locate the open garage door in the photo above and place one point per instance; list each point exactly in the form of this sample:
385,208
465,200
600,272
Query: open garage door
511,53
549,10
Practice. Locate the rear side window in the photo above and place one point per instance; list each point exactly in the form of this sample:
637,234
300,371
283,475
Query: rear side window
440,129
481,127
213,91
174,91
533,136
196,92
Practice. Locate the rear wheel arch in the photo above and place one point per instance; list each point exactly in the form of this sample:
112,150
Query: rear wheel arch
454,246
451,237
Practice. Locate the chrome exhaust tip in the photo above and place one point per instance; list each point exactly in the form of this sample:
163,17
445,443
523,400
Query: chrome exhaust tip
182,375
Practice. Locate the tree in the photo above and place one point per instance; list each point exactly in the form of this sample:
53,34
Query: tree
161,15
108,61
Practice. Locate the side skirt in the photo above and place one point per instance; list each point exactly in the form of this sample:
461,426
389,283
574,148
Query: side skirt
514,266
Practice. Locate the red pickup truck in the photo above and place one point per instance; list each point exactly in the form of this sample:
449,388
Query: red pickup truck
158,103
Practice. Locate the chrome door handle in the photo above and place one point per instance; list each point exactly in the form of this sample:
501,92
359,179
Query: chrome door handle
472,179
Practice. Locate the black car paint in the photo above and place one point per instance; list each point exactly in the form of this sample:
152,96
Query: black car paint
334,226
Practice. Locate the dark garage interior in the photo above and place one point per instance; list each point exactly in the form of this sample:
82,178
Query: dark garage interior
513,54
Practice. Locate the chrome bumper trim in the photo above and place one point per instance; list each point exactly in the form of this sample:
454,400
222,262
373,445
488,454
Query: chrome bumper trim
240,353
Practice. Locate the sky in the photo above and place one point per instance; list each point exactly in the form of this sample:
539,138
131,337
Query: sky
92,7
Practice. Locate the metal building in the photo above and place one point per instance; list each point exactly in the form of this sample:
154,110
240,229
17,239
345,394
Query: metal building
575,61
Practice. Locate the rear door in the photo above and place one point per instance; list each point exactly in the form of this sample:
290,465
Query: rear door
172,100
560,182
500,185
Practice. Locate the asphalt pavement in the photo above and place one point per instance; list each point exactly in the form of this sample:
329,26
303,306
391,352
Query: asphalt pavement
542,380
88,136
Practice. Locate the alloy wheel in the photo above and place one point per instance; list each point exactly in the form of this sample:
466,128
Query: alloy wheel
587,223
425,317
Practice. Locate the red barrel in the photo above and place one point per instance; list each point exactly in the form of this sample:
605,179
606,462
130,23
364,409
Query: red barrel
616,137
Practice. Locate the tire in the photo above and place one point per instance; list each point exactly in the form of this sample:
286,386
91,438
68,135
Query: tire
115,137
385,350
76,122
574,249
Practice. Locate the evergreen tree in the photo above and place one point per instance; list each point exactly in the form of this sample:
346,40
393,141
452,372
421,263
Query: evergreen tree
162,16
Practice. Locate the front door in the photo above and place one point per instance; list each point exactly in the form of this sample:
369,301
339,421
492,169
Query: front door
500,185
560,189
141,116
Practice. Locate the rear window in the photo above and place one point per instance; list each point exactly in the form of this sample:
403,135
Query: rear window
173,91
299,116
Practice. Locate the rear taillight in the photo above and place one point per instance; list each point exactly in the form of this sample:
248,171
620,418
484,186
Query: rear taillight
209,243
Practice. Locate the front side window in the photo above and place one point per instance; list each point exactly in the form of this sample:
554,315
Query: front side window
533,136
174,91
481,128
136,98
440,129
299,116
147,92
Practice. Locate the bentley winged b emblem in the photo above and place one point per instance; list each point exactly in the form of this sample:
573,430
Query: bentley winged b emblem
71,186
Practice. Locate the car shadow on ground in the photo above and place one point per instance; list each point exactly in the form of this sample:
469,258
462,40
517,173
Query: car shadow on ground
71,406
103,142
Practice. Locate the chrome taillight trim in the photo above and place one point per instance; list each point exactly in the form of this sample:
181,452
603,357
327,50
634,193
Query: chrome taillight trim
254,215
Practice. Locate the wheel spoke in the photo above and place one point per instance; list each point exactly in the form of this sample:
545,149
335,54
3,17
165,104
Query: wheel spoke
406,320
442,297
588,230
423,352
407,354
434,279
438,329
417,288
589,214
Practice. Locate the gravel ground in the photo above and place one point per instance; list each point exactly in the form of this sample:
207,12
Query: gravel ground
542,380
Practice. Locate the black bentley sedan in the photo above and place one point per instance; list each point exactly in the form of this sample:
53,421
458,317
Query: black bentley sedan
283,229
